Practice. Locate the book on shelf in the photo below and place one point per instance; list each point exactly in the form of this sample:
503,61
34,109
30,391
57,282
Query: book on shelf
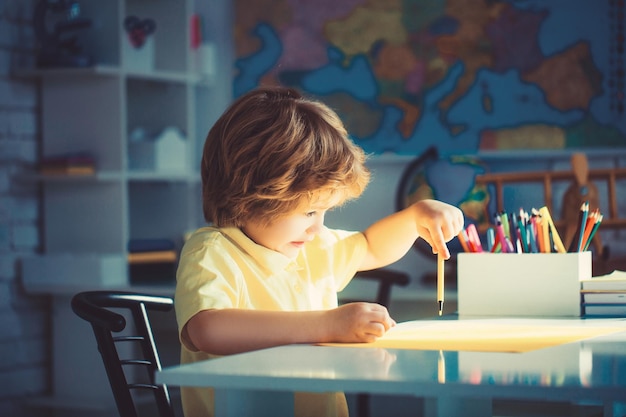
152,261
152,256
68,164
160,250
68,170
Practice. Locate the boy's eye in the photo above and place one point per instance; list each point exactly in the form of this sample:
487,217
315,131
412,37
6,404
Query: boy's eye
311,213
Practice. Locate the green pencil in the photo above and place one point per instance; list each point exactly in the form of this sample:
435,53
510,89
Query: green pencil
593,232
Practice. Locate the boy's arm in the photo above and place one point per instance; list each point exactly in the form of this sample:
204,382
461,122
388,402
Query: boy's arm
391,237
229,331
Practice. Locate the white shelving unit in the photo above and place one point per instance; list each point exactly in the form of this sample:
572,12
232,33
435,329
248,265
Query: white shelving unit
94,110
92,218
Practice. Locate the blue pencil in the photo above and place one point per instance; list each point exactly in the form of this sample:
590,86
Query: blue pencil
580,229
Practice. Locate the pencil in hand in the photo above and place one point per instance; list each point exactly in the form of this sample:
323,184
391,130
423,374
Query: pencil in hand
440,281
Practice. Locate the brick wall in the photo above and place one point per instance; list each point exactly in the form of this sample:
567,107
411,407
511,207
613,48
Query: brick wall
24,319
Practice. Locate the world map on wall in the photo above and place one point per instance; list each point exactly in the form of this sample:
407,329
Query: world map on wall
461,75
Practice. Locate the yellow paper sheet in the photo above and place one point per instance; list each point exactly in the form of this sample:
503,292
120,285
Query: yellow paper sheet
485,335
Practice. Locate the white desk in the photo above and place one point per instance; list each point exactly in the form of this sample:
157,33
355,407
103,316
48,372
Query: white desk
261,382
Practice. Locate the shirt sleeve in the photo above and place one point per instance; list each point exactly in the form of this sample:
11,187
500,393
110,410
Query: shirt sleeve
205,280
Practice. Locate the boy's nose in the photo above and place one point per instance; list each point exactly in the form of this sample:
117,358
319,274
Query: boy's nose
317,226
314,229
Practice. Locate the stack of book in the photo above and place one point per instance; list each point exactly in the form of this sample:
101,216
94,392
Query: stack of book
68,164
152,260
604,295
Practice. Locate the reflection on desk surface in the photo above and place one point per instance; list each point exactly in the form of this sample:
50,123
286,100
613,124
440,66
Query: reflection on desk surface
594,364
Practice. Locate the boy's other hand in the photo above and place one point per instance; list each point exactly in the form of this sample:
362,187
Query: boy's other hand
438,223
358,322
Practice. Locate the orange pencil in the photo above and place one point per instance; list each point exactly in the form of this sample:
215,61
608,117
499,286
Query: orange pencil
464,241
594,230
550,230
540,238
591,221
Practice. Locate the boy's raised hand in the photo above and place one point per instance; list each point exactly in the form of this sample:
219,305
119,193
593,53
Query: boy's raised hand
391,237
438,223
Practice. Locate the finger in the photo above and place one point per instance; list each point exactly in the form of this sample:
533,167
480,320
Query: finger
452,226
390,323
387,324
455,229
439,243
460,222
384,319
446,252
376,329
369,338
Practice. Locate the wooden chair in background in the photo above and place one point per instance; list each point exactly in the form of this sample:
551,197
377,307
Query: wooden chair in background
580,191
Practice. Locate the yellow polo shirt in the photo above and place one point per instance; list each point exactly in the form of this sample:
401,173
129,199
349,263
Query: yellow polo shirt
223,268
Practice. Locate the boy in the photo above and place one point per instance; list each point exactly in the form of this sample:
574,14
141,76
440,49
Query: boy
267,271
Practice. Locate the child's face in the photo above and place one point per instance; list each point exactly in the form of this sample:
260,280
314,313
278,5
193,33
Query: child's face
288,234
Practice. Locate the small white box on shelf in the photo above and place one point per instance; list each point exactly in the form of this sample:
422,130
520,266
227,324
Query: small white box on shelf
165,153
46,273
525,284
204,61
138,58
170,151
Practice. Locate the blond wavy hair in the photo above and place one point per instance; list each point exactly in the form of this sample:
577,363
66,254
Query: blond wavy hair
271,150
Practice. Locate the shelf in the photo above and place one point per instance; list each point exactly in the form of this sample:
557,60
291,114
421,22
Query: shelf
169,76
110,176
97,177
97,70
139,176
116,71
69,289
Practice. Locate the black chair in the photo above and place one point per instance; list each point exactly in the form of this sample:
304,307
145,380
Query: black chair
386,279
97,307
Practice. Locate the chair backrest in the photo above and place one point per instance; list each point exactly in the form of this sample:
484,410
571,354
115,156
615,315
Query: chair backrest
97,307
